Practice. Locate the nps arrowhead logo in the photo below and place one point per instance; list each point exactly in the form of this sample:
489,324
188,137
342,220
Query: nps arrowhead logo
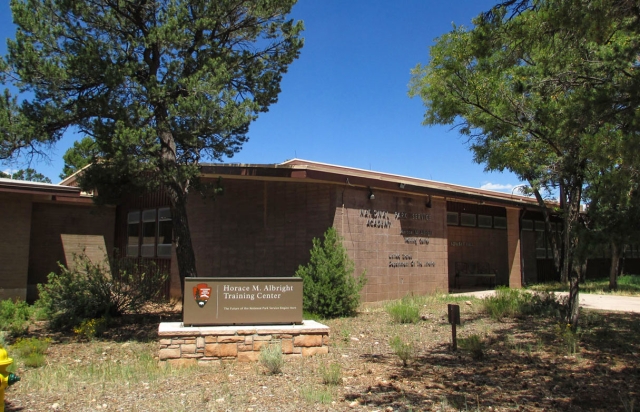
201,293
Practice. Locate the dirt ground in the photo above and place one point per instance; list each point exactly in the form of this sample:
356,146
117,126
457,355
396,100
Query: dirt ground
526,365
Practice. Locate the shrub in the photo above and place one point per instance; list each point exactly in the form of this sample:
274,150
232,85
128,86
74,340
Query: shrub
472,344
14,316
91,328
94,290
31,351
332,374
316,395
330,290
513,302
567,337
406,351
405,310
271,358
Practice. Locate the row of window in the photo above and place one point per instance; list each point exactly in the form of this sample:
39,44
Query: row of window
149,233
473,220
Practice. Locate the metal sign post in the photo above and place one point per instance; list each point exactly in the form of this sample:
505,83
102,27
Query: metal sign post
454,319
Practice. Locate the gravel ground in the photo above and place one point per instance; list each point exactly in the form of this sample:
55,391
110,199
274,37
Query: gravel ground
525,365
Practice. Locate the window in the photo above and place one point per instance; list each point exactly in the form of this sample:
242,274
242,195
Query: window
541,245
165,228
452,218
133,233
499,222
527,224
149,233
467,219
485,221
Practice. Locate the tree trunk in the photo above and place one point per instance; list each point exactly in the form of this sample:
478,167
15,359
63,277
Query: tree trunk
613,270
556,248
182,237
574,301
583,270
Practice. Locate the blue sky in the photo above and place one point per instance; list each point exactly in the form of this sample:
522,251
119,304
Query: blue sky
345,102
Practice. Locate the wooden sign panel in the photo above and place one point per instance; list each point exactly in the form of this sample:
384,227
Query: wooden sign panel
242,301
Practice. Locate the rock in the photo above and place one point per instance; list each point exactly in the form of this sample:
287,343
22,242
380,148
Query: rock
467,302
354,404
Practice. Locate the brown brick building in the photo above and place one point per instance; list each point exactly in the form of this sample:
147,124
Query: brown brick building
409,235
42,224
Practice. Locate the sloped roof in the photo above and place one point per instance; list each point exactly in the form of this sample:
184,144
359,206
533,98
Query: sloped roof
27,187
305,170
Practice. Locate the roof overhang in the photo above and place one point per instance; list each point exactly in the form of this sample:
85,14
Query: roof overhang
307,171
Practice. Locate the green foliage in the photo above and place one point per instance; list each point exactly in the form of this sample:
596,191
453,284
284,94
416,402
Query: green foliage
316,395
515,302
627,285
311,316
15,316
330,289
91,328
28,174
332,374
31,351
271,358
567,337
81,154
158,85
406,310
405,350
94,290
473,344
547,90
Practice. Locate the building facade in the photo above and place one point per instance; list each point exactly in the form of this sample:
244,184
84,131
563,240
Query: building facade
43,224
407,235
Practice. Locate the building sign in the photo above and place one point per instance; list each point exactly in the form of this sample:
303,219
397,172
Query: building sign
242,301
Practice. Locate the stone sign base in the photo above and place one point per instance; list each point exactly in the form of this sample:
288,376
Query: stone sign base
181,345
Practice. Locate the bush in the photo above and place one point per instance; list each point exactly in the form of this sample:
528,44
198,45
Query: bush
93,290
332,374
271,358
31,351
405,310
330,290
513,303
15,316
406,351
567,337
91,328
474,345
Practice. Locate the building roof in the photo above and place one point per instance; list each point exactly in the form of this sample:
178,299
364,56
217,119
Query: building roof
24,186
305,170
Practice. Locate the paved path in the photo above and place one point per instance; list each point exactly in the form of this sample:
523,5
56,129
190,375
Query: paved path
587,300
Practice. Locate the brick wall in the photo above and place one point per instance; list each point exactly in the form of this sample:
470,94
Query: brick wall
15,227
479,245
401,254
513,248
257,228
58,231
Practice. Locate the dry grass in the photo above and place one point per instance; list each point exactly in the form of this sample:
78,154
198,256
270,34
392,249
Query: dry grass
525,367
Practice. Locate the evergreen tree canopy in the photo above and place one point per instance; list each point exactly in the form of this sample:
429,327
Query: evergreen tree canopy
544,88
157,84
27,174
82,153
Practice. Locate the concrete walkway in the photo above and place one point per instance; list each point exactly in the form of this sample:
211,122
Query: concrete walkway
612,303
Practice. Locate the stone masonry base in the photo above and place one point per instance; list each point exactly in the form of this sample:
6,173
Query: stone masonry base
181,345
